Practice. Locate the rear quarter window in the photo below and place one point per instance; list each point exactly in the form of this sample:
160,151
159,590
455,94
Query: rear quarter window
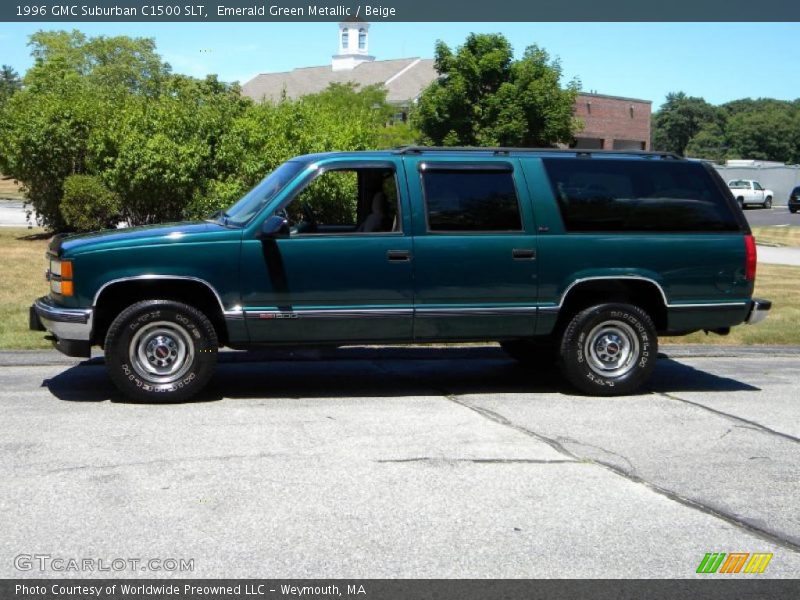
471,201
596,195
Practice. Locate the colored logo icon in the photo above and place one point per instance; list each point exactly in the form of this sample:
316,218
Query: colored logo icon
735,562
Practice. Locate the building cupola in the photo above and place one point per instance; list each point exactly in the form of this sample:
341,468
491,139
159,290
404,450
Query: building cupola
353,46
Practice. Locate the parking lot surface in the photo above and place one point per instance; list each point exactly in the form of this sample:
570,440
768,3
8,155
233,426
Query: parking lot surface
405,462
775,216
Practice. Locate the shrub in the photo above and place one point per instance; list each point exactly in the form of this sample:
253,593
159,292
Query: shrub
88,204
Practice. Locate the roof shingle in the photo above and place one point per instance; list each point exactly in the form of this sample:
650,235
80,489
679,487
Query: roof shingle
407,78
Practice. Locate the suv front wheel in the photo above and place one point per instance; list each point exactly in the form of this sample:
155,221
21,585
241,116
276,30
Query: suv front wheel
609,349
160,350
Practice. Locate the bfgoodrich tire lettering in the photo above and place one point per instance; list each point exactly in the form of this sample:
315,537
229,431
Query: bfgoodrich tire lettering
609,349
160,350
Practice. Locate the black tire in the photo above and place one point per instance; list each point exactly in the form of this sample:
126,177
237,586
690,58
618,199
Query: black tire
160,350
604,336
740,200
768,202
534,352
792,210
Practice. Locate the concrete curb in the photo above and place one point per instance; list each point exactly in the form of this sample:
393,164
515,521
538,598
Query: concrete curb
43,358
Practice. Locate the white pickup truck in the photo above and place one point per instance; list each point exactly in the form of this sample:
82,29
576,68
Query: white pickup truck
748,191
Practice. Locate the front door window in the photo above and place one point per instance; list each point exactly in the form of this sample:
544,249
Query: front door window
346,201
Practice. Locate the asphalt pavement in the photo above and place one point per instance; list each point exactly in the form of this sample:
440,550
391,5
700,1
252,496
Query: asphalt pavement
12,214
777,216
405,462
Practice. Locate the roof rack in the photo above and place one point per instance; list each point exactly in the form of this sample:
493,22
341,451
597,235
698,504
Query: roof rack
507,150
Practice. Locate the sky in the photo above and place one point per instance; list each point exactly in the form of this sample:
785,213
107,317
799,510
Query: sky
717,61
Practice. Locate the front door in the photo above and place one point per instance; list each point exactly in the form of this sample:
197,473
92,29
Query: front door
344,273
474,249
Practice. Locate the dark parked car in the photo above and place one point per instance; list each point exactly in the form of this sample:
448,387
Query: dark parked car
577,257
794,200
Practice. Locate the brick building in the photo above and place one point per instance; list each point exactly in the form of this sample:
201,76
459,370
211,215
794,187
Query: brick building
612,122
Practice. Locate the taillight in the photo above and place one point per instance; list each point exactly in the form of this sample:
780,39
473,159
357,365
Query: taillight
749,257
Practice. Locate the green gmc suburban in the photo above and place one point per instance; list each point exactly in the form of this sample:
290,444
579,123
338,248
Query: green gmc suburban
580,258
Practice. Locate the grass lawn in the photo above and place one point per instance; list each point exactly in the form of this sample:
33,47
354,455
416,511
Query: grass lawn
23,281
778,236
9,189
778,283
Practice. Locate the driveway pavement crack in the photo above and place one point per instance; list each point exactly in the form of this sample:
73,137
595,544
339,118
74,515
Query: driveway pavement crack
568,440
764,534
501,461
747,423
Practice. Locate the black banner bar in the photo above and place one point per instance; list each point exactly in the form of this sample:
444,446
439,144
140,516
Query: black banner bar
55,11
715,588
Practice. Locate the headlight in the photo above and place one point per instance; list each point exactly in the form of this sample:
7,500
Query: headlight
61,277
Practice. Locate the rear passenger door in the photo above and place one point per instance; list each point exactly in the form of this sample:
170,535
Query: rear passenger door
474,249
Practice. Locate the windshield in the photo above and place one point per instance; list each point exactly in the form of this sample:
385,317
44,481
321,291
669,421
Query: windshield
253,201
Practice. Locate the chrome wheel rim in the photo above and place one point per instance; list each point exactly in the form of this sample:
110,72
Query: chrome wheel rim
612,349
161,352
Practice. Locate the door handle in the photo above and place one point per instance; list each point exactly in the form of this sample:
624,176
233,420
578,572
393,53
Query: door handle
523,254
398,255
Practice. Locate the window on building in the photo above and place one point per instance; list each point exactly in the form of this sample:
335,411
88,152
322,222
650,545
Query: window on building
471,201
362,39
635,195
345,38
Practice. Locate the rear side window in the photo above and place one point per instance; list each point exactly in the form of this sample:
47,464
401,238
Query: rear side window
638,195
471,200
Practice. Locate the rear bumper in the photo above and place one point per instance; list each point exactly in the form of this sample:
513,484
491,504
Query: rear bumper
71,327
758,311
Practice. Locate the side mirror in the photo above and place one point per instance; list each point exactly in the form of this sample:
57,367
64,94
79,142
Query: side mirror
274,228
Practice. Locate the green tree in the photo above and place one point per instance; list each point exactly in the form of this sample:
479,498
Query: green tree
9,83
265,135
162,152
88,204
484,97
76,88
762,129
680,118
764,135
711,143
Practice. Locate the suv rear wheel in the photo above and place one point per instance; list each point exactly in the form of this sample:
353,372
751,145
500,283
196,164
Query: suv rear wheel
609,349
160,350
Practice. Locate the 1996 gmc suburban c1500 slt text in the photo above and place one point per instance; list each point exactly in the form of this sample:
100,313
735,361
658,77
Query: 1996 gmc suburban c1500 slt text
575,257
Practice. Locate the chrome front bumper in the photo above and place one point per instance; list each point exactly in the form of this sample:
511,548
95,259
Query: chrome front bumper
758,311
64,323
